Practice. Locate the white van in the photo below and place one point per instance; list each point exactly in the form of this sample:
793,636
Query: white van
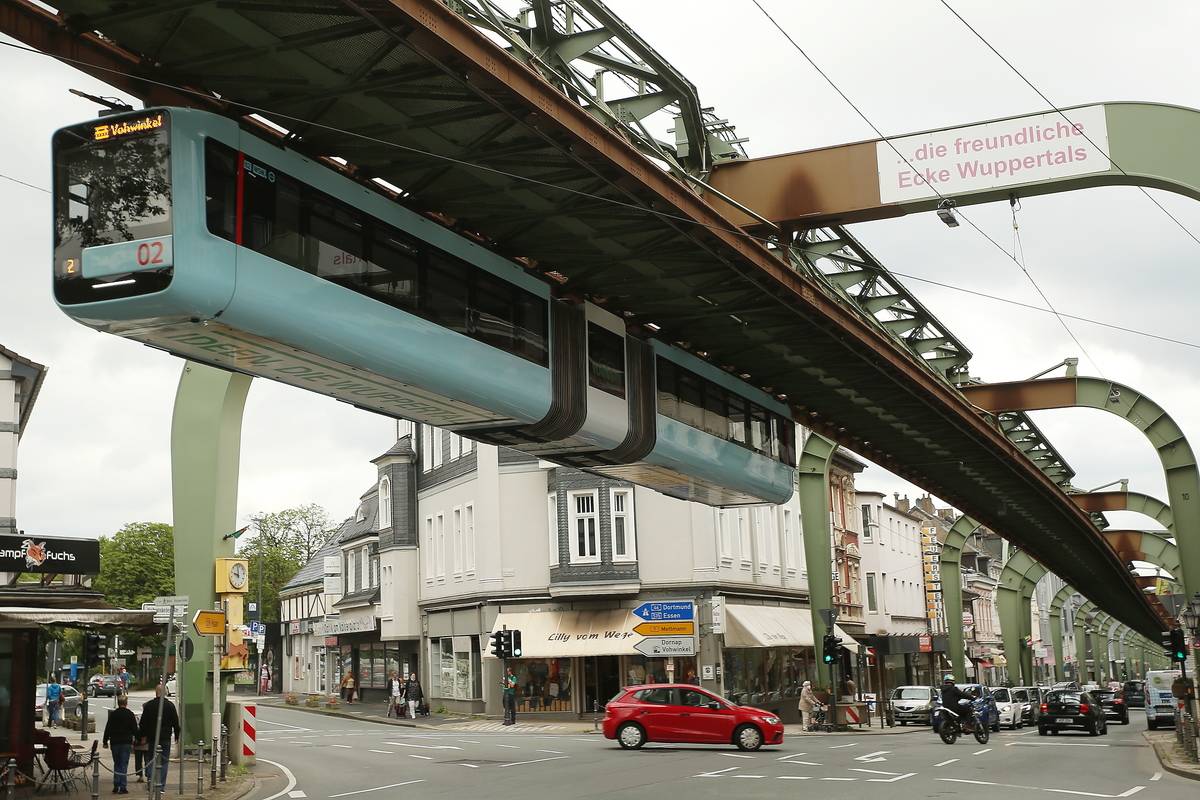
1160,703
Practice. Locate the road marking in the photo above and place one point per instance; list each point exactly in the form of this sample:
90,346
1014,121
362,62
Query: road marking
425,746
873,771
805,763
557,752
840,746
291,784
1157,776
384,752
947,761
981,752
423,758
747,776
714,773
1056,744
1126,793
376,789
837,779
262,721
296,794
871,757
472,741
793,755
734,755
795,777
472,766
532,761
346,746
891,780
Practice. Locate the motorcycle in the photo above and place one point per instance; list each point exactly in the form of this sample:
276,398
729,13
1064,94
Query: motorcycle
950,724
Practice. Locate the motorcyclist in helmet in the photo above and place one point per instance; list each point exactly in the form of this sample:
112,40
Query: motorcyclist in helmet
952,696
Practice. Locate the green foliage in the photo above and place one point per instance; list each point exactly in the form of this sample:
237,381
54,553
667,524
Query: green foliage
137,563
283,542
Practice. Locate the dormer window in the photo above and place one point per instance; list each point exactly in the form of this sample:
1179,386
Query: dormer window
385,503
361,514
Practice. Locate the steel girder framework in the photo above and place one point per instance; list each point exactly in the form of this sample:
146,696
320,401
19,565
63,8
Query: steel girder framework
415,95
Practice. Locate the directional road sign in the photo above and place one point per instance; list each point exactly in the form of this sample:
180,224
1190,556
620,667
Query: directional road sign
209,623
665,628
667,610
666,646
172,600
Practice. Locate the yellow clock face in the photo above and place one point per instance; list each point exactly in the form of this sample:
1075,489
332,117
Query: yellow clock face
237,575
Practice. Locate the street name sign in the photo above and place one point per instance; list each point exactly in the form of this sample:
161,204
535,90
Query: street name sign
667,611
667,646
665,628
209,623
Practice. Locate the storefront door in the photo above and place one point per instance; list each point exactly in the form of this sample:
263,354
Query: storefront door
601,681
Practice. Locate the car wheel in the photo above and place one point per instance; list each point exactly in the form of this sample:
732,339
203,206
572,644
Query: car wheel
78,712
1093,729
631,736
903,723
1054,731
996,728
1042,731
748,737
1104,730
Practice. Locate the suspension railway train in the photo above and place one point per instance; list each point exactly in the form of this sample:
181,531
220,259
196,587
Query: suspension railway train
182,230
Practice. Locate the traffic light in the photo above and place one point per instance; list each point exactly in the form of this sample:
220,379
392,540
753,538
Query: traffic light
498,644
830,646
95,648
515,643
1176,647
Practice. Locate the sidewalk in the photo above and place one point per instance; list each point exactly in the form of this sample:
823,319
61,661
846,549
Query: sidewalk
1170,755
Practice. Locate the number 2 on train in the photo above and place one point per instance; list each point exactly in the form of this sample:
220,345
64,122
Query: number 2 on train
149,253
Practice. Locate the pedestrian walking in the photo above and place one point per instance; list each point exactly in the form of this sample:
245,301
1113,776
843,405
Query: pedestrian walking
120,731
509,686
264,679
123,681
396,695
348,688
413,695
54,700
155,728
808,704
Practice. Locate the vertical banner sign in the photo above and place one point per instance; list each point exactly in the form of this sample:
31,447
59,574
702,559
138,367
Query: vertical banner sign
993,155
930,552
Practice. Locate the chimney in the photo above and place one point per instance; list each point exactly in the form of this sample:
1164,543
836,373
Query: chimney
903,504
925,503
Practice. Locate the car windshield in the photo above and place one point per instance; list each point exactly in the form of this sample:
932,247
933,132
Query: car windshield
911,693
1000,695
1104,695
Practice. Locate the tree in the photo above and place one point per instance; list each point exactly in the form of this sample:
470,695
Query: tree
283,542
137,564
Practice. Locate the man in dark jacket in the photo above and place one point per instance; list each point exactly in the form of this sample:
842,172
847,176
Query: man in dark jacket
413,695
120,731
151,725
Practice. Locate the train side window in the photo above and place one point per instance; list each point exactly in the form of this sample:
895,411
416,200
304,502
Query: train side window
738,419
606,360
715,420
760,429
392,275
336,241
691,400
490,316
668,397
271,214
220,189
444,300
532,319
787,441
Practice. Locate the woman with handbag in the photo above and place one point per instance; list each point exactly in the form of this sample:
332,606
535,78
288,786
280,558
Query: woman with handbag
395,695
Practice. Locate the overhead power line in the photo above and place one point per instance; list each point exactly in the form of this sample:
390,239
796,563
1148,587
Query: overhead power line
934,189
515,176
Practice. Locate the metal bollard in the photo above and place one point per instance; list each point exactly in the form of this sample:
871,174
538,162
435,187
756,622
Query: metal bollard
212,763
10,779
96,777
224,751
199,768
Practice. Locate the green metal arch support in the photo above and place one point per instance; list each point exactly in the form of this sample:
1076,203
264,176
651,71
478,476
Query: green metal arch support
1014,597
1127,501
951,574
1174,452
1057,631
812,486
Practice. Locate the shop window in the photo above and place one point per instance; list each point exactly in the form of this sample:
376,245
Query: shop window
584,525
624,545
762,676
455,672
469,539
544,684
385,503
552,528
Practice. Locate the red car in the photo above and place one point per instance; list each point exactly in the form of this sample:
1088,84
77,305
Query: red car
675,712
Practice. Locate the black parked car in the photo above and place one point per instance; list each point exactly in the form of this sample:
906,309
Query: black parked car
1134,693
1065,709
1113,704
107,685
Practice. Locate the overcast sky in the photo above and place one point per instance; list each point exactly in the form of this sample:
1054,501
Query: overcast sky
96,452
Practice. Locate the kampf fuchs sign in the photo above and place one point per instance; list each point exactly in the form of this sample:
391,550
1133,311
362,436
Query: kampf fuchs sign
39,554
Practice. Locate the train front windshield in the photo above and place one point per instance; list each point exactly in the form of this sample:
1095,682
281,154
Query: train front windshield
112,199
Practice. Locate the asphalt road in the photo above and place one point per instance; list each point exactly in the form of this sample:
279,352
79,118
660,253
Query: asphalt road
333,758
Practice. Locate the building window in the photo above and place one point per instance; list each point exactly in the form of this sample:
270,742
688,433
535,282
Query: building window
552,529
374,571
458,542
791,551
440,533
429,549
866,522
437,447
385,503
455,446
872,606
467,446
469,539
364,574
725,533
764,529
624,545
584,524
743,525
351,560
426,448
455,668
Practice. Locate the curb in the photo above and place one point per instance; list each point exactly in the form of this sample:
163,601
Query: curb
1162,751
375,718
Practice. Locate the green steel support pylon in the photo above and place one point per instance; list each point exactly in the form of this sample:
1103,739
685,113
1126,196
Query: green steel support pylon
951,574
813,491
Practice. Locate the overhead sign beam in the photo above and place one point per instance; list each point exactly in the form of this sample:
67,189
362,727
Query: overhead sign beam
1107,144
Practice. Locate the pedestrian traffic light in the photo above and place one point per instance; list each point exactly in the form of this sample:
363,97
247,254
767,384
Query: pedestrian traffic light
498,644
830,646
515,643
95,648
1177,648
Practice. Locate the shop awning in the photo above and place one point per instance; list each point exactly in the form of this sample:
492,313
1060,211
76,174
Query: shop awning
983,662
565,634
774,626
18,616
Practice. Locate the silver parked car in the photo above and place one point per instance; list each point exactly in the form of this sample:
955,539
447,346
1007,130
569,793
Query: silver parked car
913,704
71,707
